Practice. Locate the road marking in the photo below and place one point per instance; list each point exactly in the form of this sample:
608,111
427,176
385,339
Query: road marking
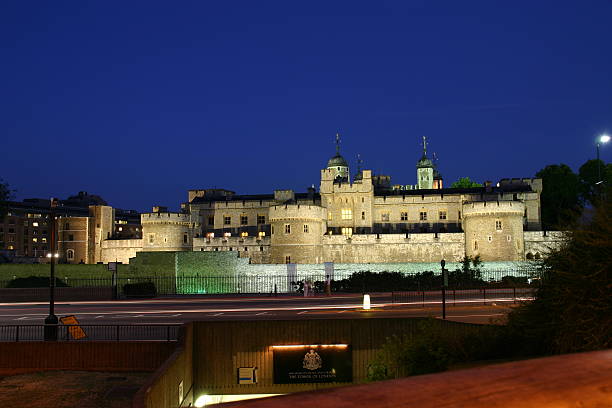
98,317
217,314
342,311
305,311
484,315
261,313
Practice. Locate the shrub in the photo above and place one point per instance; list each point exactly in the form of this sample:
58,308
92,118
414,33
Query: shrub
140,289
34,282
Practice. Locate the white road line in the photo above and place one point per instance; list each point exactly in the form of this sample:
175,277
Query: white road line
305,311
98,317
217,314
261,313
342,311
484,315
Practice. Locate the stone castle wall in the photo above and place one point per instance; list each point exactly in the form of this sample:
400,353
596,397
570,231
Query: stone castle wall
393,248
494,230
255,248
540,243
120,250
167,232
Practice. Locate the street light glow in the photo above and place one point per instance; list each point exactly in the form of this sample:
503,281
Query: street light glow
604,139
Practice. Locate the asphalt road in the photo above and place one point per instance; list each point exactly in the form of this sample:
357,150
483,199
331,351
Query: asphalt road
183,309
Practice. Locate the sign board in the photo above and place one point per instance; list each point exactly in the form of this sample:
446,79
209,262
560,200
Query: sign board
75,331
312,364
112,266
246,375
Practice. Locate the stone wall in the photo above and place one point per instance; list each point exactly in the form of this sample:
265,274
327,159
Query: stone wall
255,248
389,248
167,232
539,243
120,250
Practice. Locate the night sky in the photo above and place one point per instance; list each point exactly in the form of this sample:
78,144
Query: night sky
140,101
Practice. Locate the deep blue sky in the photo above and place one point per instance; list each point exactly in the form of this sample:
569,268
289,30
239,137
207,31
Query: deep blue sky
140,101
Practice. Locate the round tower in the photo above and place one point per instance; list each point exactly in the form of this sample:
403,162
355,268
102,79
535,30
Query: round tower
165,231
494,230
297,231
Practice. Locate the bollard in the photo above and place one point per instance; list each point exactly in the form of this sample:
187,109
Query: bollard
366,302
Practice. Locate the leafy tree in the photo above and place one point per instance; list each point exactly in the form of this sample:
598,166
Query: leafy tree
5,194
465,182
589,178
572,310
560,198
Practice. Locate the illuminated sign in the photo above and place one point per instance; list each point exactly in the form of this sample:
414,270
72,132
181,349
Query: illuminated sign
312,363
74,329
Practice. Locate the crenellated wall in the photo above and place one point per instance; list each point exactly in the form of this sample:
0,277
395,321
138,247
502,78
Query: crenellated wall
164,231
120,250
255,248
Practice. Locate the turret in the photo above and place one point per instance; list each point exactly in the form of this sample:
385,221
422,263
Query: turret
425,170
338,165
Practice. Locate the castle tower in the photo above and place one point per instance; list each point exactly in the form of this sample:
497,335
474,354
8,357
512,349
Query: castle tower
166,231
425,170
494,230
338,166
296,233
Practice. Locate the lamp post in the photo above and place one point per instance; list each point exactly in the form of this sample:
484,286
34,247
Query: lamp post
602,140
51,320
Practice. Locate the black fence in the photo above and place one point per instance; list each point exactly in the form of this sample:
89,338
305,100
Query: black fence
455,296
341,282
132,332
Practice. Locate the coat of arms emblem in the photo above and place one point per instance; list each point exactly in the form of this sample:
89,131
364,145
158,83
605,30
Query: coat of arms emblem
312,360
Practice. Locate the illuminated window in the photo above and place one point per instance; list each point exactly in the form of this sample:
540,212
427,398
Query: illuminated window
306,228
347,231
423,216
261,219
347,214
70,254
227,220
34,239
404,216
261,234
120,229
384,217
227,234
442,215
329,216
35,224
244,234
287,228
210,235
43,239
498,225
244,220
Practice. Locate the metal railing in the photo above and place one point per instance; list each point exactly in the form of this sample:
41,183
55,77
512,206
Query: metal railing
89,332
454,296
342,281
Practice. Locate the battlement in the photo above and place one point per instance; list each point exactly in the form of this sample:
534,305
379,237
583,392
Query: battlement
164,217
328,185
493,207
298,212
534,183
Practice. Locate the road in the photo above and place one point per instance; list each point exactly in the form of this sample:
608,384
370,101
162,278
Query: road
183,309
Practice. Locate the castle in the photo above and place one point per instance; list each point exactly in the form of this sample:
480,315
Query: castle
360,219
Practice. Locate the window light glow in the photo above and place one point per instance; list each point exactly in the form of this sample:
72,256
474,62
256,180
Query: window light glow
294,346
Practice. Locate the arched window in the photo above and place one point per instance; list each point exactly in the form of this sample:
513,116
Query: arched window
70,254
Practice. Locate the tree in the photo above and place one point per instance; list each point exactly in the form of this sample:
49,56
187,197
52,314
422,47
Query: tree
5,194
560,198
589,177
572,310
465,182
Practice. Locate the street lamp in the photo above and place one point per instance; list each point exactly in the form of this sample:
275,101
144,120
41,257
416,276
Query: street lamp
50,333
603,139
